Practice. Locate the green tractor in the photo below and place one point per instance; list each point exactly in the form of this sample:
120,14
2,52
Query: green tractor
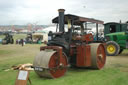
8,39
116,37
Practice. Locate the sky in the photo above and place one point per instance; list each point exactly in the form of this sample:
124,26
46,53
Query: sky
22,12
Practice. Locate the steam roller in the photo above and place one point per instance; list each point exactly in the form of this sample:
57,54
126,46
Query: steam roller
74,47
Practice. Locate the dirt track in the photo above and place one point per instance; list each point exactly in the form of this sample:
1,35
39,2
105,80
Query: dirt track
120,61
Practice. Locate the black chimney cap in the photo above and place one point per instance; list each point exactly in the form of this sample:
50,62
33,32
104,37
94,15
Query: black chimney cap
61,10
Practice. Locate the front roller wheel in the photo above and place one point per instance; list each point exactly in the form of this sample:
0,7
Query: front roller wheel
48,64
98,55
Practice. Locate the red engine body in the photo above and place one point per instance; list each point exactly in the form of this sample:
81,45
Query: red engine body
83,58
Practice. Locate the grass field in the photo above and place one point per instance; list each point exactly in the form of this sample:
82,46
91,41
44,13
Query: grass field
115,71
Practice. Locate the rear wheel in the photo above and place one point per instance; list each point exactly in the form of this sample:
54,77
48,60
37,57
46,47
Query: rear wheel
112,48
98,56
12,41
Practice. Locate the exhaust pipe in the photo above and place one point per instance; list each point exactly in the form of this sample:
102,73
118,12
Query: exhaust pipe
61,20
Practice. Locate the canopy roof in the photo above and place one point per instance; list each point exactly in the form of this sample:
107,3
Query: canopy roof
112,23
78,19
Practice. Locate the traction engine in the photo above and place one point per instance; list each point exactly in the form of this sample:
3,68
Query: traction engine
71,47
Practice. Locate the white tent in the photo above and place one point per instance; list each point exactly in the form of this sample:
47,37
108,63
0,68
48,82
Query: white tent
40,36
53,29
50,28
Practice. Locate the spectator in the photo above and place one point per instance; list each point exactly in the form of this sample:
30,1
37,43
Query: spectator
22,42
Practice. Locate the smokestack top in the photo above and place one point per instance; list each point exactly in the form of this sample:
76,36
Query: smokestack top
61,10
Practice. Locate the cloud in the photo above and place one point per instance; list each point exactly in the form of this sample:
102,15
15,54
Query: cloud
42,11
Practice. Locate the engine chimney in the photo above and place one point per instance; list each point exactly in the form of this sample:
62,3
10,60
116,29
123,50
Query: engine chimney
61,20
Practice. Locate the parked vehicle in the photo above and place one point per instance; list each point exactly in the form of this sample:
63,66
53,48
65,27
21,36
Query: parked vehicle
8,39
116,35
